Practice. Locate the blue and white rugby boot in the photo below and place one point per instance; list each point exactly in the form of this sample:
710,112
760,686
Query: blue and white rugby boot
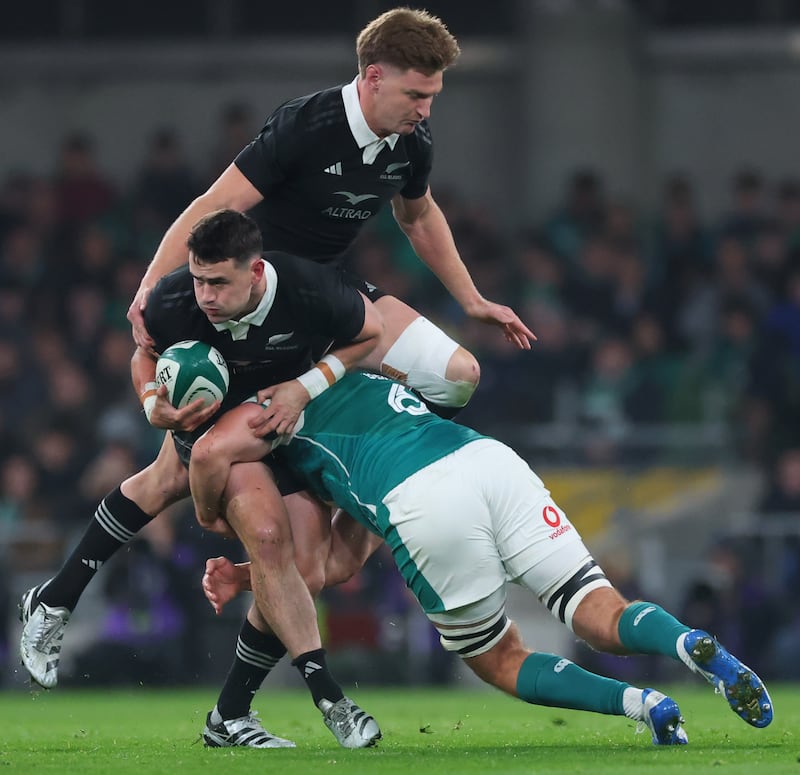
742,688
662,716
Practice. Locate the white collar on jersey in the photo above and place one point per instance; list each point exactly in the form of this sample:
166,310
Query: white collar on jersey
239,328
371,144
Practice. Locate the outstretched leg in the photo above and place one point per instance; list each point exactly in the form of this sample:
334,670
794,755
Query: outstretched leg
607,622
547,679
45,609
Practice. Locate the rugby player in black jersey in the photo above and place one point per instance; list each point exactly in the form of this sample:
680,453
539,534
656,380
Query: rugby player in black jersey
325,164
264,313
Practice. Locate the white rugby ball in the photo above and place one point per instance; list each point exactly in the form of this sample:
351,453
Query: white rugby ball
192,370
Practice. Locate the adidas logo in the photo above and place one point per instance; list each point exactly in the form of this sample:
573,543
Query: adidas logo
334,169
93,564
311,667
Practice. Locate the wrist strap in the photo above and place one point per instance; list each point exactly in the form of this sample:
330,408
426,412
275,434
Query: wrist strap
328,371
148,398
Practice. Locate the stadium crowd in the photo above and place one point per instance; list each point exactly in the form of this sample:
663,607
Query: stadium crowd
642,318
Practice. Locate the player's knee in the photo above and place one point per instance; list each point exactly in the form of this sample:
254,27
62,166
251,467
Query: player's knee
463,367
426,359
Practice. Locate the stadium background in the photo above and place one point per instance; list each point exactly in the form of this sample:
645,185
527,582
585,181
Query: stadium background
623,174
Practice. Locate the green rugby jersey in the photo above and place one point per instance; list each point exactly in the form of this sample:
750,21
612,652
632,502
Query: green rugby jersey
364,436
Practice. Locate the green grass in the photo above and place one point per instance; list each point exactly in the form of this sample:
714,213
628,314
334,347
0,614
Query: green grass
426,732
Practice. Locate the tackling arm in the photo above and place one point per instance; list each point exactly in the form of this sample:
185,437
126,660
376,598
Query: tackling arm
228,441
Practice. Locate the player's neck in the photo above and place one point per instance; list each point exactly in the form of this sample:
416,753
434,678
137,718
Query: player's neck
367,108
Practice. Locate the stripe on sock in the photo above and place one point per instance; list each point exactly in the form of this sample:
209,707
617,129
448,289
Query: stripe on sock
111,525
253,657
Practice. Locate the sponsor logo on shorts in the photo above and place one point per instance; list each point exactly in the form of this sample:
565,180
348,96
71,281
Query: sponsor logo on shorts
560,531
551,516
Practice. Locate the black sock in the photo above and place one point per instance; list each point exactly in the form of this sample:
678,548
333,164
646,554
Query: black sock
315,671
256,654
116,520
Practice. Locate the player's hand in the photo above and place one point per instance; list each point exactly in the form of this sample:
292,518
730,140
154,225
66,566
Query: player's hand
136,318
221,582
286,401
191,417
514,330
215,524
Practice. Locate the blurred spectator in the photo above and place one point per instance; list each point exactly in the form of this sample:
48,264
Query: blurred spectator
613,396
166,183
747,215
83,192
581,216
782,495
237,128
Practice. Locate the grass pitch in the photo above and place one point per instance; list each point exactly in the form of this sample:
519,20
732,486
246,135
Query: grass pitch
426,732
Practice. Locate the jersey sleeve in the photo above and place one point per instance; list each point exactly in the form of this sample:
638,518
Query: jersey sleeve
420,152
268,160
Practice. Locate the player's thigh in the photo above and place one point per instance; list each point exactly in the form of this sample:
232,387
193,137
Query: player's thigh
310,521
397,316
439,529
530,529
164,482
255,509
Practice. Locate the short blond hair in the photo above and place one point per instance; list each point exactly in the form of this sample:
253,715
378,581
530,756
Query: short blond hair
408,39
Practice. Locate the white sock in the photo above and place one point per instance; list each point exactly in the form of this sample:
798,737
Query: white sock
632,703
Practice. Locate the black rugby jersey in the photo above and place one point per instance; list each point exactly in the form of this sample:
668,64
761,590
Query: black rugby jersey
311,302
317,191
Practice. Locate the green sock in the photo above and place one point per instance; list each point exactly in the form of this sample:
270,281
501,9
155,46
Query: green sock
646,628
545,679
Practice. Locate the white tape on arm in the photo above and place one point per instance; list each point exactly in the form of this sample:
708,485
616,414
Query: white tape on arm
148,398
327,372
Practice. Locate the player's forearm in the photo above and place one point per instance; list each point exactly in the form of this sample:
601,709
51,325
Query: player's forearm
229,441
143,370
208,476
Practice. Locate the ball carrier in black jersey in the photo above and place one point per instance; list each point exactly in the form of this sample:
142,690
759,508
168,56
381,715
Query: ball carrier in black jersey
263,312
324,165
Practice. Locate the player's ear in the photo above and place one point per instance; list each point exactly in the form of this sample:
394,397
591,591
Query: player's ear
373,75
257,269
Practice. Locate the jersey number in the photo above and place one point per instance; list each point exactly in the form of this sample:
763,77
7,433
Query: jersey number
401,399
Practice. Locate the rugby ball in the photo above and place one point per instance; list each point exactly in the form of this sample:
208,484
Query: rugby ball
192,370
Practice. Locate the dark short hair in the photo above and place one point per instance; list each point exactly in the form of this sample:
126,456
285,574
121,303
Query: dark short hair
225,234
409,39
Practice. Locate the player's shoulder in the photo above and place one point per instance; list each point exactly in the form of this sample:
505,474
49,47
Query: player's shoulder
312,112
295,270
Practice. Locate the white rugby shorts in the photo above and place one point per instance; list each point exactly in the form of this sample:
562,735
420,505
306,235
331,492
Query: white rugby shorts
478,518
